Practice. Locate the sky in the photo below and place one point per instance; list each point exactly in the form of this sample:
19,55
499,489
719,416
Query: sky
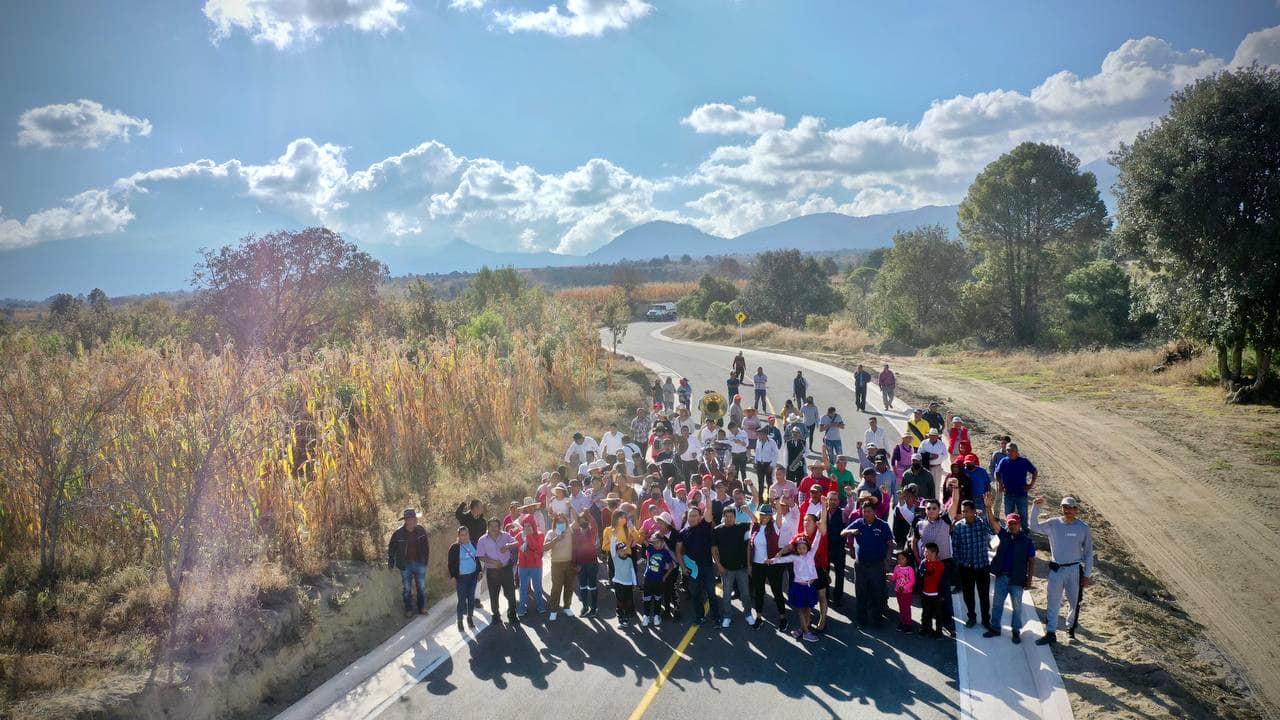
134,133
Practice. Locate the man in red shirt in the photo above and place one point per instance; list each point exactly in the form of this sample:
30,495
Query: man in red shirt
529,565
817,476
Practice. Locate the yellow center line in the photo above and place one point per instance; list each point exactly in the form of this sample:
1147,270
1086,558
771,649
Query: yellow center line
676,656
663,673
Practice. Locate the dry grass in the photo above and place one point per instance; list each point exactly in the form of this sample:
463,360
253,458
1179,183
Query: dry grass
646,292
840,336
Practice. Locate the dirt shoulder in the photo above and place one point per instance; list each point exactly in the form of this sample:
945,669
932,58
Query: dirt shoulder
1178,488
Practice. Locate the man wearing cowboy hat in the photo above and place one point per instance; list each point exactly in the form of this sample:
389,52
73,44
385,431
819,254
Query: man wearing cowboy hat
577,452
408,552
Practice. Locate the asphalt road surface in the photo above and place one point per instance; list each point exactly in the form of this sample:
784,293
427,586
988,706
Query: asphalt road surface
574,669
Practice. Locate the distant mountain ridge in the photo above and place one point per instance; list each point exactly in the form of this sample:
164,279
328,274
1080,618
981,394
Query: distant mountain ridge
151,262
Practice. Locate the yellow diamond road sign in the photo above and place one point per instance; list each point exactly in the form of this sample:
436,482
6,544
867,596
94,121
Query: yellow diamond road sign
742,317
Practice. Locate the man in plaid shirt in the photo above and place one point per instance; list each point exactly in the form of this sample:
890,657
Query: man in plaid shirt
640,426
970,542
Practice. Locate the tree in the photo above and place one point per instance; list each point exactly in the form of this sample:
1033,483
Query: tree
286,290
710,289
1098,301
720,313
628,279
918,288
424,317
54,414
728,267
616,317
1198,199
857,284
787,286
1031,216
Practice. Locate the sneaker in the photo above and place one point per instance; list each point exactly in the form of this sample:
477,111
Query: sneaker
782,624
758,623
568,612
797,634
657,620
624,621
970,622
552,617
751,619
644,621
1048,639
1017,637
724,623
991,632
809,637
471,622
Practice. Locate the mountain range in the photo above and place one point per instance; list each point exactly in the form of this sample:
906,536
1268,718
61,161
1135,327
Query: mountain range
820,232
152,260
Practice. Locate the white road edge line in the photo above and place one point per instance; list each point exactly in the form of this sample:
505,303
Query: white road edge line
1049,689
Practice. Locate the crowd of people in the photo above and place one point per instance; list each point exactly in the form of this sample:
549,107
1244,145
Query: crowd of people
661,511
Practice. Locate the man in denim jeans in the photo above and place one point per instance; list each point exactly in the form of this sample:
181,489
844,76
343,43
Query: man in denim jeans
1014,567
408,552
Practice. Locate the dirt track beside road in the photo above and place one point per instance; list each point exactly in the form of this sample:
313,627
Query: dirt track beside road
1215,552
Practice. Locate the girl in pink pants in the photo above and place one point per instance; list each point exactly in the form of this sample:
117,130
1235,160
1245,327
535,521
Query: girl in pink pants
904,579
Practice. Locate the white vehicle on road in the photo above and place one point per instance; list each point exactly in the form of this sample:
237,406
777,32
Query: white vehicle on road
661,311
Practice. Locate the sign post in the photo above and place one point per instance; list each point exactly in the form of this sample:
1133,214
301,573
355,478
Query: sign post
741,317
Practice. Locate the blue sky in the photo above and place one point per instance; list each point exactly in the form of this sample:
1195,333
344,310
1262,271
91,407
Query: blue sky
137,132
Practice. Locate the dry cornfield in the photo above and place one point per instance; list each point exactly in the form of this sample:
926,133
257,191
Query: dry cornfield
140,453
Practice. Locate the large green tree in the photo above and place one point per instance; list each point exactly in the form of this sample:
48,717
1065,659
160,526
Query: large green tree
710,290
918,289
1199,200
786,286
1032,217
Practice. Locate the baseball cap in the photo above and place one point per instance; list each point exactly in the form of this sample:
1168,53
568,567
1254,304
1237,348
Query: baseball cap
1069,501
1013,518
766,509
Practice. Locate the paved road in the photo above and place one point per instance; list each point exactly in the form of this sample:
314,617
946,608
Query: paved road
575,668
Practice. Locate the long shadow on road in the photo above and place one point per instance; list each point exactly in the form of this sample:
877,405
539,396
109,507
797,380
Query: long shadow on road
592,668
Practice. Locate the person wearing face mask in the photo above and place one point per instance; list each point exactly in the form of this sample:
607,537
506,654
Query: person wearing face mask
920,476
564,576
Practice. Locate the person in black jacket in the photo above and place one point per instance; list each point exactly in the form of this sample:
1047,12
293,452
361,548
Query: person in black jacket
470,515
464,568
408,552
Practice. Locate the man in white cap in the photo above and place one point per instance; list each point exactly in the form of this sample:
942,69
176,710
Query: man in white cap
1070,566
938,458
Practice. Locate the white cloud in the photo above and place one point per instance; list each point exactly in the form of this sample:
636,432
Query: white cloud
1262,47
747,100
282,22
83,123
582,17
430,194
93,212
723,119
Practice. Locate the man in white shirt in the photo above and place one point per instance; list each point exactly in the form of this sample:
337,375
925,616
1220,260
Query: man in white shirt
707,435
577,452
874,434
677,503
693,450
788,517
939,457
586,465
766,455
611,441
683,419
737,438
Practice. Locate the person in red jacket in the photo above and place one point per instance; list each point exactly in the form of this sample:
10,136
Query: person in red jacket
931,569
529,565
585,546
958,438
